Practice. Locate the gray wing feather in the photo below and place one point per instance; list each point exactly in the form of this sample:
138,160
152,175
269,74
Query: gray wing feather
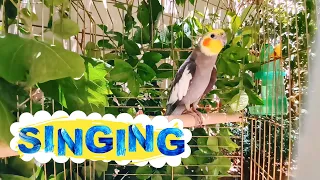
178,88
212,82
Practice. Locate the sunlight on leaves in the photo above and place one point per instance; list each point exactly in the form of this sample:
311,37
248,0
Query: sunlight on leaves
65,28
239,101
39,59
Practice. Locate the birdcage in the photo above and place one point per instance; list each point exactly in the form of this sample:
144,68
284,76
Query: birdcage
132,50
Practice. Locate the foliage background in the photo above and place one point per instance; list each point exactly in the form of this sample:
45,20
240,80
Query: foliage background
124,72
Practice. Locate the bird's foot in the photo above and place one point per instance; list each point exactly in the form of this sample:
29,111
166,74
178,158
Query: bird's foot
200,117
197,115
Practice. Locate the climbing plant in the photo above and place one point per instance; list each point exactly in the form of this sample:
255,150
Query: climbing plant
122,70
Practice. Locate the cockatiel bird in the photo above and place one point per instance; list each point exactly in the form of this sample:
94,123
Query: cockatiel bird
196,76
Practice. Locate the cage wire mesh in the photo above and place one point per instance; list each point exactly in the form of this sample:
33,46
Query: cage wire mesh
276,32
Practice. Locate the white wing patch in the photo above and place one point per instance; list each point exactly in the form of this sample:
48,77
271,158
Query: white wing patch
181,88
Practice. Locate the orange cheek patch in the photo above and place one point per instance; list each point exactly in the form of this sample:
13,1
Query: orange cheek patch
206,42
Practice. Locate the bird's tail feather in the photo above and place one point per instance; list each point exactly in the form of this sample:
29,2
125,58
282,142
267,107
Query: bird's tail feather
174,110
170,108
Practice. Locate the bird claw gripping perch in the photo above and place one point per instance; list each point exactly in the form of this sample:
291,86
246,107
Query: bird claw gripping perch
197,116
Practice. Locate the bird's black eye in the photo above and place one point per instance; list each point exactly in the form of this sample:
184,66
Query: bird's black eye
212,36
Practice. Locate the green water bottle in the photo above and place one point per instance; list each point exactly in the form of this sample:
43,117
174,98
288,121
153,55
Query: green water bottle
272,86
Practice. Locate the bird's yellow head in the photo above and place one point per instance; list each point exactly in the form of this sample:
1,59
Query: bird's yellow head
212,42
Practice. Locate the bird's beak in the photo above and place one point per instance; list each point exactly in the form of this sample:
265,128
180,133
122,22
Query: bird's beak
224,42
224,39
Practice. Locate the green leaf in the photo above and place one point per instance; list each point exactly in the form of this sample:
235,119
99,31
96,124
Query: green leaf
120,5
228,67
92,50
202,143
184,178
223,165
227,144
183,42
254,98
39,174
60,176
131,47
143,170
76,176
176,170
145,72
65,28
192,2
41,61
6,119
9,94
129,22
165,70
10,9
247,41
222,65
87,94
143,14
105,43
235,40
121,72
246,12
165,54
23,29
133,84
30,16
225,132
91,91
212,143
104,28
239,101
201,157
235,23
235,53
118,92
12,177
49,3
101,167
248,30
23,168
222,82
228,94
156,9
132,111
248,81
253,67
133,61
253,59
151,58
156,176
142,35
191,160
233,68
111,56
180,2
118,37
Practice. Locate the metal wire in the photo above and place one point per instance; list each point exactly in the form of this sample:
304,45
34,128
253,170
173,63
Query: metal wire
267,133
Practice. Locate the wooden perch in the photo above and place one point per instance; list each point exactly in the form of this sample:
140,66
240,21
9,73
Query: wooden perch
208,119
6,151
188,121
